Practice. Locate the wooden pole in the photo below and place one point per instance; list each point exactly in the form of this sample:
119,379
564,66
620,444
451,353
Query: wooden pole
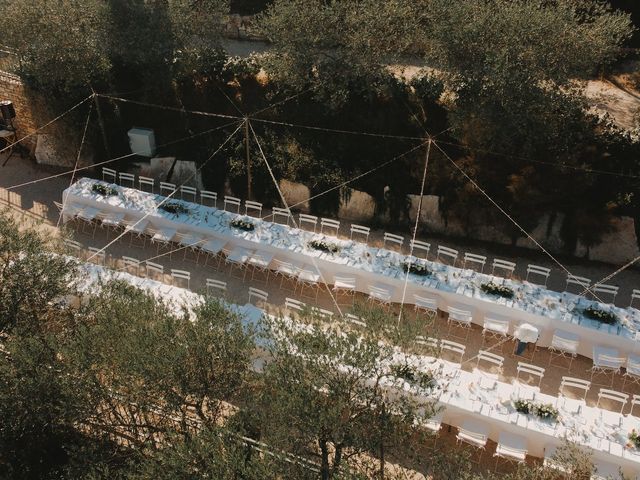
246,139
103,131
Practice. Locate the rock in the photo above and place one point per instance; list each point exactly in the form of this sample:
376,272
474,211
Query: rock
553,241
156,168
296,194
356,205
431,219
49,151
619,246
186,172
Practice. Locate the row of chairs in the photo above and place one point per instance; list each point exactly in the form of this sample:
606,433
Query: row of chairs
418,248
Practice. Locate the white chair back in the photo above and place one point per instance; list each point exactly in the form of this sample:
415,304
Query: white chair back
581,283
602,288
311,220
447,252
354,319
564,342
146,182
277,212
209,198
420,249
109,174
330,224
130,262
612,396
255,207
538,270
473,258
396,240
360,230
635,400
167,188
216,285
178,275
426,303
429,342
496,325
634,296
260,296
504,265
153,267
453,348
73,246
582,386
530,370
459,315
293,304
234,202
97,255
127,178
494,361
188,192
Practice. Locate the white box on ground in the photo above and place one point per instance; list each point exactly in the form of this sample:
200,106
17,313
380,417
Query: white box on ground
142,141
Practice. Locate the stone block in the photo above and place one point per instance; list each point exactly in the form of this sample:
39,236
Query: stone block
296,194
356,205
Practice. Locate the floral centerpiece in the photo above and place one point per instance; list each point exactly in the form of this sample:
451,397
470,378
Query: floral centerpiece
324,246
499,290
601,316
545,411
174,208
634,439
416,268
242,224
104,190
424,380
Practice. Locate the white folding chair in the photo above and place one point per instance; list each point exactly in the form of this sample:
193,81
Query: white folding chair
504,265
395,240
144,182
186,191
511,447
208,198
321,313
97,255
154,270
260,297
606,361
527,372
490,366
360,230
611,396
355,320
330,224
167,188
635,400
540,271
475,434
496,328
295,305
179,277
217,286
563,345
127,178
632,371
599,289
420,249
581,283
309,281
255,207
447,252
634,296
109,175
233,202
277,212
460,318
309,220
480,260
430,343
453,351
285,270
380,295
578,388
131,265
73,247
344,285
427,305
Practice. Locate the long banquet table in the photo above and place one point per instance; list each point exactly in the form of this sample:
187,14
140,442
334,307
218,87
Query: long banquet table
461,394
456,287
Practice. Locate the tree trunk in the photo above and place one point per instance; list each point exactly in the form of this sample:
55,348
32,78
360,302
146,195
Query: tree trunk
325,471
249,179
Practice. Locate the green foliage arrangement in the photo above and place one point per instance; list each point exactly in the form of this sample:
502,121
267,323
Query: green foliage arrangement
601,316
324,246
104,190
499,290
175,208
244,225
634,439
544,411
424,380
416,268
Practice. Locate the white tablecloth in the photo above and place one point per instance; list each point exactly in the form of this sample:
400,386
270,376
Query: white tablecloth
542,308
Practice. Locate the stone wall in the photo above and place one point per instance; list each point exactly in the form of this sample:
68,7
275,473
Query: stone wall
58,143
